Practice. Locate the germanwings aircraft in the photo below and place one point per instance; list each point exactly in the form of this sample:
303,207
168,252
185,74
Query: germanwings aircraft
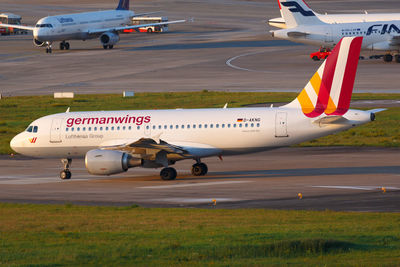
114,141
83,26
304,26
339,18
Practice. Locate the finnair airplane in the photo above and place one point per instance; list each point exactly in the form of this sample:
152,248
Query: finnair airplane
114,141
83,26
304,26
339,18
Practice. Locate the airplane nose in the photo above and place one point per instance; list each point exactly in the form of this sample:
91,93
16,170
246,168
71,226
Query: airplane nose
15,143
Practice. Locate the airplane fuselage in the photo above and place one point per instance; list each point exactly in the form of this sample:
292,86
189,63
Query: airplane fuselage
230,131
78,26
377,35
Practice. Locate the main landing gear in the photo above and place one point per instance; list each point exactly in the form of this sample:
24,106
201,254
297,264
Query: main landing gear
389,58
66,174
198,169
64,45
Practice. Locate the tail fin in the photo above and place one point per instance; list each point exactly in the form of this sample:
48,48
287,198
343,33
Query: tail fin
297,12
123,5
331,87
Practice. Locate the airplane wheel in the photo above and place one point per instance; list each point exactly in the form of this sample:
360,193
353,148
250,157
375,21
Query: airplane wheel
149,30
67,46
168,174
105,46
110,47
397,58
65,174
388,58
62,46
199,169
315,58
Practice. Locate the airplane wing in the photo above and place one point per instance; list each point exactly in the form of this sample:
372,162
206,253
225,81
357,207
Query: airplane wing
156,149
28,28
116,29
145,14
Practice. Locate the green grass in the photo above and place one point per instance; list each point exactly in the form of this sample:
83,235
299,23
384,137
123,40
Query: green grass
17,112
60,235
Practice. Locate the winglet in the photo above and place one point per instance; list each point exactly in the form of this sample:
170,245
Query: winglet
329,90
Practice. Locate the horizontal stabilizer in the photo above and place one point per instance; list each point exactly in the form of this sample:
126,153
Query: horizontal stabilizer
377,110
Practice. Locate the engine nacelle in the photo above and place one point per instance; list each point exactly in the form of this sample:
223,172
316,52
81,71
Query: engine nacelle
109,38
36,42
107,162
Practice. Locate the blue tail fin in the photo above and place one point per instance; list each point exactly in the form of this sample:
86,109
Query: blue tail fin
123,5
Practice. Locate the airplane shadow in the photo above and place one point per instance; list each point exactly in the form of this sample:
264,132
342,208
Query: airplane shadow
298,172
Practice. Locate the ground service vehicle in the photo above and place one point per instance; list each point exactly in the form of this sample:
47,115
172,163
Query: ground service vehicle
150,20
322,53
9,18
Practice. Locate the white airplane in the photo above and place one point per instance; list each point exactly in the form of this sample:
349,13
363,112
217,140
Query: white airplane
83,26
304,26
113,141
339,18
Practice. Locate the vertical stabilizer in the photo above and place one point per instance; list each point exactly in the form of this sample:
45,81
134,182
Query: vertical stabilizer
123,5
329,90
297,12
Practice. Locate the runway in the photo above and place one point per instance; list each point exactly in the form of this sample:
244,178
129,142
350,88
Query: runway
345,179
191,57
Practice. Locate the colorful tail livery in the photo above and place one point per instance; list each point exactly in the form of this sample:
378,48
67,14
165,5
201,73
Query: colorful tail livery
297,12
123,5
329,90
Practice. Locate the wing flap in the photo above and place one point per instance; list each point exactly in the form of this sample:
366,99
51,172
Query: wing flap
28,28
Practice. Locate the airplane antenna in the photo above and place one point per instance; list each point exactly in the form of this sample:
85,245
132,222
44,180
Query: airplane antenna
225,106
67,111
272,105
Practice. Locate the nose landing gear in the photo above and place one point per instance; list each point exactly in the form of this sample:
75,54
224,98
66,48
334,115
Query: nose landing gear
48,48
66,174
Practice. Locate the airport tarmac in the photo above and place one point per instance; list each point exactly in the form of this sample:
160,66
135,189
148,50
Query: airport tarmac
227,47
334,178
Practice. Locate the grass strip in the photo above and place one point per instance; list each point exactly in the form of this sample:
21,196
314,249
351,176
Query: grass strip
70,235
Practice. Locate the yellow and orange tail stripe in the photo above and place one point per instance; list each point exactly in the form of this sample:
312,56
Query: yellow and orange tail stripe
329,90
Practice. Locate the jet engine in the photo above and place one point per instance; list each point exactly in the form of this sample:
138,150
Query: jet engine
36,42
109,38
107,162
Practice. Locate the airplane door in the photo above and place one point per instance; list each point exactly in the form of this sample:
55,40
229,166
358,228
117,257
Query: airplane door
55,131
281,124
328,35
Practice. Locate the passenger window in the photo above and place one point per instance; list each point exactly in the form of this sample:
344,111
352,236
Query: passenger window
205,125
211,125
118,128
84,129
234,125
72,129
112,128
154,127
35,129
194,126
95,128
78,129
159,127
240,125
101,128
165,127
188,126
66,129
171,127
90,129
199,126
217,126
258,125
124,128
252,125
147,127
229,125
223,125
130,128
246,125
182,126
107,128
176,126
138,127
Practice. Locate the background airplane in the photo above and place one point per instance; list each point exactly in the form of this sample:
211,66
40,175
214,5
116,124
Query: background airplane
304,26
339,18
83,26
113,141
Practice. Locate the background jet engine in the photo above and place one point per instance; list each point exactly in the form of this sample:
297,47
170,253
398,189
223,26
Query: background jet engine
109,39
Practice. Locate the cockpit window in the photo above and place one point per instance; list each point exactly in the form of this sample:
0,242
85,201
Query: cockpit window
29,129
32,129
44,26
35,129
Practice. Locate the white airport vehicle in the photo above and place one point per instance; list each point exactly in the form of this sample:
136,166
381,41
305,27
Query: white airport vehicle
114,141
339,18
105,25
150,20
304,26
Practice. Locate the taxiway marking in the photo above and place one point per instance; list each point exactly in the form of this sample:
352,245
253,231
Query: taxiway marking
367,188
192,184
